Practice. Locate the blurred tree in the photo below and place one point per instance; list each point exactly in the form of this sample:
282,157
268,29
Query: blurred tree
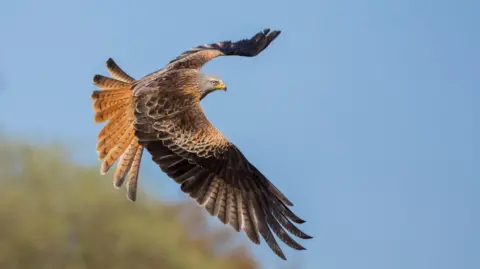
55,214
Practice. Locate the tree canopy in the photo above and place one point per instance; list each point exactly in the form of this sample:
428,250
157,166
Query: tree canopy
57,214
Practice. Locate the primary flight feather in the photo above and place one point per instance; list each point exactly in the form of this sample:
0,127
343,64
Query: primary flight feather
161,112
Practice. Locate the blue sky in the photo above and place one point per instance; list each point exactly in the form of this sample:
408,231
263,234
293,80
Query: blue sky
364,113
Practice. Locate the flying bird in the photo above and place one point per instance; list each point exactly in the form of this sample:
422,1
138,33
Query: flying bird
161,113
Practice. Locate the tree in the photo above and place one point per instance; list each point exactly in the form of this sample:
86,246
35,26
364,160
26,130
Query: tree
57,214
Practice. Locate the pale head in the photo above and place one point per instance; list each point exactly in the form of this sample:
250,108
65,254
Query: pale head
210,83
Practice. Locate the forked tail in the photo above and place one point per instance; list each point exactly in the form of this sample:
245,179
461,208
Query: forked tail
116,141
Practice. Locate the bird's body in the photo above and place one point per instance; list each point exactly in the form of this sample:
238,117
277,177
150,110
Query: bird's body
161,112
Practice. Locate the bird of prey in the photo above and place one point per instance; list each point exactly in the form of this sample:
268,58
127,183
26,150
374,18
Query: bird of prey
161,112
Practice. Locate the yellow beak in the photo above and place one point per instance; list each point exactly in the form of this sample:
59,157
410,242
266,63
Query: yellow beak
221,86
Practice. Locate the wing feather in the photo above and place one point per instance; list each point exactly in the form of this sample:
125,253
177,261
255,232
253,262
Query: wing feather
132,181
124,164
197,57
116,72
211,170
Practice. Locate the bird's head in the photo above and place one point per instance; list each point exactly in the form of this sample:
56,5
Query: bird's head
210,83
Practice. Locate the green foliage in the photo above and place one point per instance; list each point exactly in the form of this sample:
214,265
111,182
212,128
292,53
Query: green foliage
55,214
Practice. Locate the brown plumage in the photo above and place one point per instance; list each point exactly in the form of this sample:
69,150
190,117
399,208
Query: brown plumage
162,113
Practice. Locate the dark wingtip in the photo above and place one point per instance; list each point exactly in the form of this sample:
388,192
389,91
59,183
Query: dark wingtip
275,34
118,182
94,95
306,236
299,220
271,34
131,198
300,248
131,192
110,62
97,78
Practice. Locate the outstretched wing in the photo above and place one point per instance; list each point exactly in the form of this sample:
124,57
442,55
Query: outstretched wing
196,57
211,170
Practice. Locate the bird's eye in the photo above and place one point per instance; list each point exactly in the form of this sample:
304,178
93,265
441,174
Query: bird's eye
214,82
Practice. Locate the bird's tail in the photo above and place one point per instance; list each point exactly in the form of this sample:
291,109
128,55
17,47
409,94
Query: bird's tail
113,103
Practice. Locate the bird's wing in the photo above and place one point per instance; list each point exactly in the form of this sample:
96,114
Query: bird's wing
196,57
211,170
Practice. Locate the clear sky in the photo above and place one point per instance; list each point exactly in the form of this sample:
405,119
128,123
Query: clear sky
364,113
